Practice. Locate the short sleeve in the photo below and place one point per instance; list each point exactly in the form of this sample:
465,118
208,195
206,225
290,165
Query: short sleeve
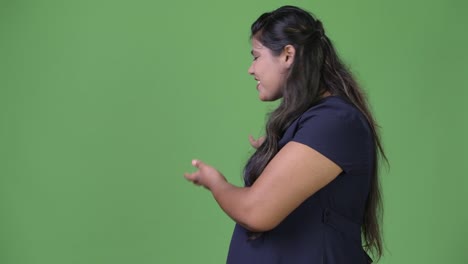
342,137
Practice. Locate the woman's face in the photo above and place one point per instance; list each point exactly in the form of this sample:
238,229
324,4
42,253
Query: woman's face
269,71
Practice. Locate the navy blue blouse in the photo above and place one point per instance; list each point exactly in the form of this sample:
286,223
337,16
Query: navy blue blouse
326,227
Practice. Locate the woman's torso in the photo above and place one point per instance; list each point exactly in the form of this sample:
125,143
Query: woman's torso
325,228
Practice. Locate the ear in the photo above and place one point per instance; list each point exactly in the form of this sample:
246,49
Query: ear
288,55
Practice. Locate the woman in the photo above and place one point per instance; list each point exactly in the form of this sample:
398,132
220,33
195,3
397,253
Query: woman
311,188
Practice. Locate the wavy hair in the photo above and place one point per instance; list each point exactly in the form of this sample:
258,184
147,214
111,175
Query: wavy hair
316,70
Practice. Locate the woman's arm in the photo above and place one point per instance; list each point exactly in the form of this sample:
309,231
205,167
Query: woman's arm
294,174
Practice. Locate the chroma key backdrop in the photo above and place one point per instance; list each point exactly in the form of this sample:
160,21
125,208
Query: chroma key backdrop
103,104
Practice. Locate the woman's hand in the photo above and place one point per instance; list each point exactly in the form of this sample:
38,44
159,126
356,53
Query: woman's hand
256,143
205,176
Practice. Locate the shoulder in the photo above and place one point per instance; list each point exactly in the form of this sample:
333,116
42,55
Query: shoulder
335,113
336,129
333,107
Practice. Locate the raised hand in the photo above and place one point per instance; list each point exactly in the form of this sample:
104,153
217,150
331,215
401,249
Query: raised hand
205,176
256,143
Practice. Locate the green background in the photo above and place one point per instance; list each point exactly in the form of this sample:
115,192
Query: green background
103,104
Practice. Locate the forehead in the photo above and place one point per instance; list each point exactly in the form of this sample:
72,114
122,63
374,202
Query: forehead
257,45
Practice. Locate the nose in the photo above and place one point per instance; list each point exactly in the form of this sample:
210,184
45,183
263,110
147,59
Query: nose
251,70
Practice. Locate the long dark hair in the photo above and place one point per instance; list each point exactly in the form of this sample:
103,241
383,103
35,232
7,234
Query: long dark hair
316,70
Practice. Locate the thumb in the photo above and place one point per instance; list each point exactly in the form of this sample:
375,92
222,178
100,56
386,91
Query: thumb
198,163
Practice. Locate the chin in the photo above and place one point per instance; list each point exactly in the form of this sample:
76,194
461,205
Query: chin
266,98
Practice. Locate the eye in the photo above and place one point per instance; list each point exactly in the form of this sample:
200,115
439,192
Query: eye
255,58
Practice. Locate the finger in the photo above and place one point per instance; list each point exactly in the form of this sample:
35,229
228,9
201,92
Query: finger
188,176
261,140
252,140
192,176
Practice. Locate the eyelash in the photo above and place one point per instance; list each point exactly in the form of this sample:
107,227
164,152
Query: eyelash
255,58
